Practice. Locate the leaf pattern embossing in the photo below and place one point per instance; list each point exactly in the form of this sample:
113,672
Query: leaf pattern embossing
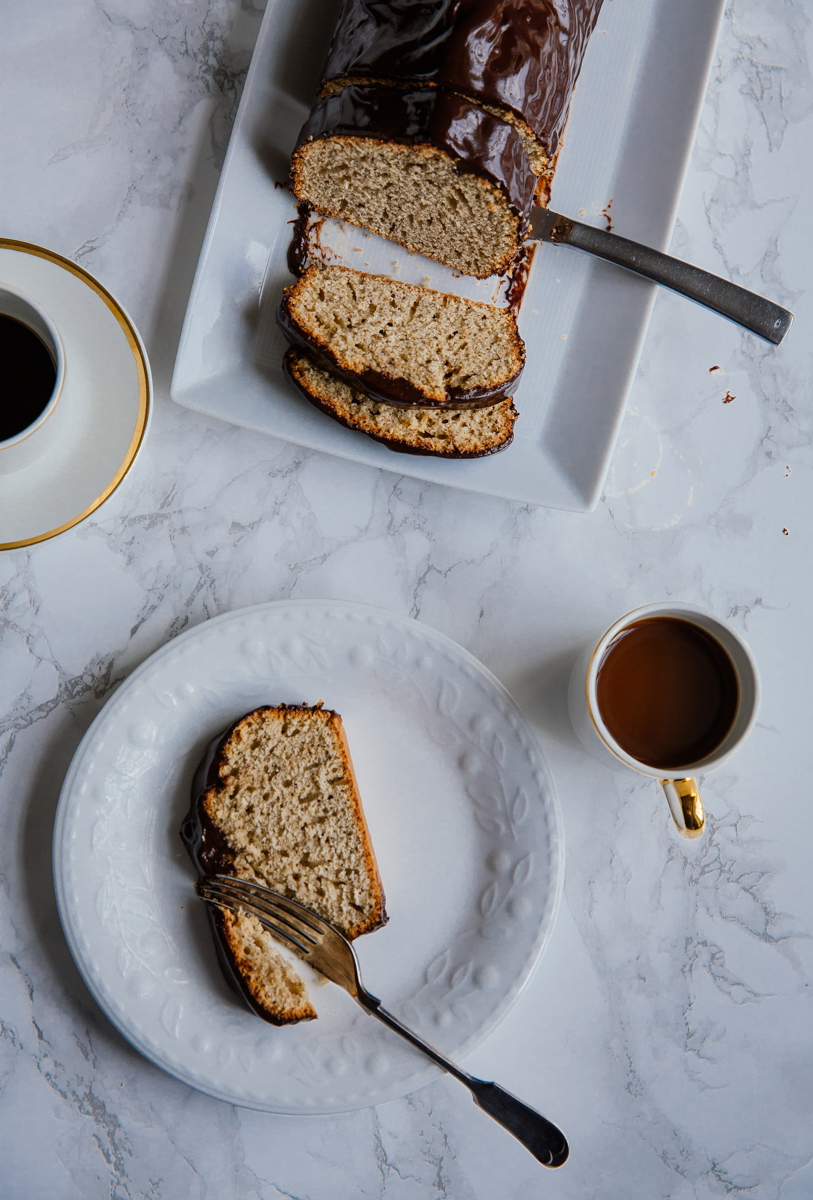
522,871
490,899
437,967
448,698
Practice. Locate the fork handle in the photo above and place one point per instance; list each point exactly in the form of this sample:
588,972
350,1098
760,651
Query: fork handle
547,1143
537,1134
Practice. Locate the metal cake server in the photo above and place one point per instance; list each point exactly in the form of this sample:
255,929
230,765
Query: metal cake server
328,951
754,312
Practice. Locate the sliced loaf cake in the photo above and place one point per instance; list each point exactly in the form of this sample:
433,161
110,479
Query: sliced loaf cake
276,801
425,168
436,432
403,344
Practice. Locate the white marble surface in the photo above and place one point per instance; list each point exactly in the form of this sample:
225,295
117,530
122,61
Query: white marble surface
668,1030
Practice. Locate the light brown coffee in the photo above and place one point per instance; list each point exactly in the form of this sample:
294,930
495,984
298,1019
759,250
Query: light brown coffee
667,692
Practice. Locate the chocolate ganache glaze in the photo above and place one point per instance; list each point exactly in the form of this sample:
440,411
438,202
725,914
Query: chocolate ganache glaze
388,388
523,55
479,143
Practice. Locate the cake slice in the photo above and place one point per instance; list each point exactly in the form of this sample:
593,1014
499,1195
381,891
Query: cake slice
425,168
400,343
275,801
437,432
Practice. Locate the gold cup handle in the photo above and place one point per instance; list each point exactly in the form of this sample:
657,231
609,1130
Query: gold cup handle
685,805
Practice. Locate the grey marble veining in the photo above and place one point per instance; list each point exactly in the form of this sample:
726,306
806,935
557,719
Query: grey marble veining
668,1029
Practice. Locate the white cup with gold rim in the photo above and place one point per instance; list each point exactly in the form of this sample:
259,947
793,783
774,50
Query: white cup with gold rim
25,447
679,784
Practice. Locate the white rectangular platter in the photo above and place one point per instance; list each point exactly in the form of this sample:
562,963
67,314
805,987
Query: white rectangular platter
629,136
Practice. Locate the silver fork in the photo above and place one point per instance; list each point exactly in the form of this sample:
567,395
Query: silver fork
328,951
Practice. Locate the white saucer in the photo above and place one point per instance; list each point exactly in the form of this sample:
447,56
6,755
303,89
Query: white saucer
108,386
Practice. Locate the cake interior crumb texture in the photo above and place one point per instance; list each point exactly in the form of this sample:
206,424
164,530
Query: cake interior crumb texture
275,985
432,340
288,806
413,195
452,433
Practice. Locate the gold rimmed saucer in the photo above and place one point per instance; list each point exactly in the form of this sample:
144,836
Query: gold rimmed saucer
109,389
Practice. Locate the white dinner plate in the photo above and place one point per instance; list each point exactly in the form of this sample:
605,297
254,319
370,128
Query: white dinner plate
463,815
107,388
626,147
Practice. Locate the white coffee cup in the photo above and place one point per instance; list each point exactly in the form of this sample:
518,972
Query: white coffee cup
678,783
31,443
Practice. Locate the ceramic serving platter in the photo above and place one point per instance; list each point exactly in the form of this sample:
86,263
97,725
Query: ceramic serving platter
630,132
463,816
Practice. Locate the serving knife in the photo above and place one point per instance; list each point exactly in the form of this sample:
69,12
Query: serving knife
754,312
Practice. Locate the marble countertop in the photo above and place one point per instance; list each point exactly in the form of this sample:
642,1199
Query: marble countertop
669,1028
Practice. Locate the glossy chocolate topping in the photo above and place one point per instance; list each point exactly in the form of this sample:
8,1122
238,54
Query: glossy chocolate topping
298,250
478,143
524,55
387,388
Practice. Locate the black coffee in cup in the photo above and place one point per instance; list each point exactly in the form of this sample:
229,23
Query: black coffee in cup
667,692
27,376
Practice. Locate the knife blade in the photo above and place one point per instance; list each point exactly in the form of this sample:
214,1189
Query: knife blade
754,312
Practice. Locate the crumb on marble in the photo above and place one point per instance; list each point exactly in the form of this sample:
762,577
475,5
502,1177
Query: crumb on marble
727,398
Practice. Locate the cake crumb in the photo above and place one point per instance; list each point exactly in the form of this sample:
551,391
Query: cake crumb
728,398
715,370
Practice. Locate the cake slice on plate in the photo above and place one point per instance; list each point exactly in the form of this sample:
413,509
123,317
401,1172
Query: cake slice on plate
275,801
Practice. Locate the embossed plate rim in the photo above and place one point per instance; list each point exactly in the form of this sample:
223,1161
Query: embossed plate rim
545,892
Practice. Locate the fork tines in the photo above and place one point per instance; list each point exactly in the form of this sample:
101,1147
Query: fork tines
285,918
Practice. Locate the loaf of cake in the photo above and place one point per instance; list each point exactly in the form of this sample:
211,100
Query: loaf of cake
424,168
518,59
275,801
400,343
436,432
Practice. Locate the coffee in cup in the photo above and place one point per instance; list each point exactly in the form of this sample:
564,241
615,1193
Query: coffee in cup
666,691
27,377
32,371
